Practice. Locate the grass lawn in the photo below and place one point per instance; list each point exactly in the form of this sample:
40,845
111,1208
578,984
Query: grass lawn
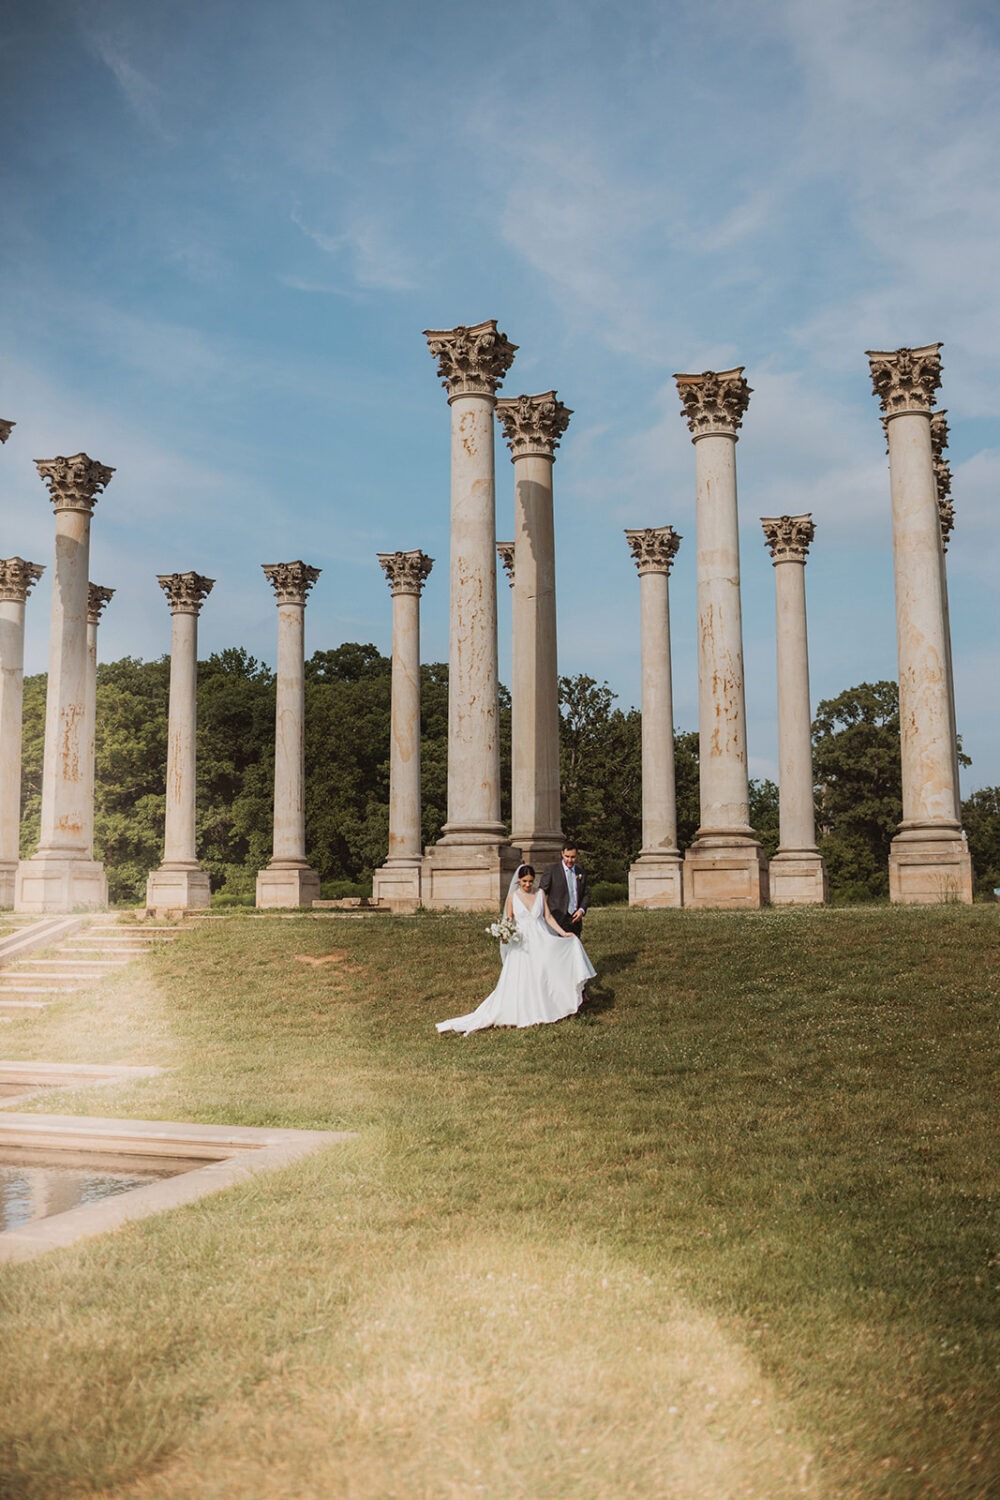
731,1231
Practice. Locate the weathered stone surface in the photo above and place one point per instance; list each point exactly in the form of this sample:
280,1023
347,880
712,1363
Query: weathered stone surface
929,860
17,578
397,883
533,424
725,866
179,881
656,876
797,873
61,875
98,599
471,360
288,881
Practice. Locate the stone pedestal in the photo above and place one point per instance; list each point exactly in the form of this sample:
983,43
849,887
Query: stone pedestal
533,426
797,872
62,876
397,884
288,880
656,877
929,860
471,363
180,881
17,579
725,866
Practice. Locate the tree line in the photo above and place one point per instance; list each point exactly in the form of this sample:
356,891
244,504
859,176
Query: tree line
855,746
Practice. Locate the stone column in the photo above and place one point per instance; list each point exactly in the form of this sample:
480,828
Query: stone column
17,579
97,599
288,880
656,877
180,882
533,426
928,860
946,516
471,865
397,884
62,876
725,866
797,873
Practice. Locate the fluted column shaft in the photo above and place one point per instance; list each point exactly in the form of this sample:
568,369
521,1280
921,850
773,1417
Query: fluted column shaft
17,578
533,426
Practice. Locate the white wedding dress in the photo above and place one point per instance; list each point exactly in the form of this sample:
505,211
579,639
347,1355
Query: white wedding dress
542,978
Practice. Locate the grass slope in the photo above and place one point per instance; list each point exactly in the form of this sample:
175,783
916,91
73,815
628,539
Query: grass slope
731,1231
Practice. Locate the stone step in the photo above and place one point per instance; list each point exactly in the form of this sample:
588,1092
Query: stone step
70,963
21,1005
74,978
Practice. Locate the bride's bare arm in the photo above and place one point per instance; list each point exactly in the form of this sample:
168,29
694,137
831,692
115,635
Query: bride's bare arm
552,921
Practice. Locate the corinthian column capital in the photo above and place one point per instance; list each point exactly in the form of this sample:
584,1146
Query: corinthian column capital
97,599
6,428
17,579
533,424
505,552
74,483
905,380
291,581
471,361
186,592
653,548
788,537
406,571
714,402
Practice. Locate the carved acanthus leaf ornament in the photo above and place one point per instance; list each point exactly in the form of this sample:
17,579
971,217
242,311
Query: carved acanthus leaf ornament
186,592
291,581
905,380
97,599
653,548
788,537
6,428
74,483
471,361
406,571
533,424
18,578
505,552
715,401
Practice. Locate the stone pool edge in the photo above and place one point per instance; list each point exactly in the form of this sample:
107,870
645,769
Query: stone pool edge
242,1152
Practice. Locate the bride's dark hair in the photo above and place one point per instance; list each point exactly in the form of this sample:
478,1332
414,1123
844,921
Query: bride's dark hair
525,870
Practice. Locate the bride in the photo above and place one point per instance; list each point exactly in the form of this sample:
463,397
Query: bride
544,971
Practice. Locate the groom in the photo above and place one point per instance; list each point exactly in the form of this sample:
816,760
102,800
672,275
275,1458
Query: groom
565,885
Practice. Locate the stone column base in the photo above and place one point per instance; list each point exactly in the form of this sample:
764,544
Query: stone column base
725,873
284,887
539,850
798,877
56,883
928,871
397,886
467,877
656,880
180,887
8,879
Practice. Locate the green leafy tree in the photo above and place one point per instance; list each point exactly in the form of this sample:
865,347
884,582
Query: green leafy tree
857,767
601,775
981,821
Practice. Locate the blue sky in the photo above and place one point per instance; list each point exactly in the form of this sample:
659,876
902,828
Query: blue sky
225,225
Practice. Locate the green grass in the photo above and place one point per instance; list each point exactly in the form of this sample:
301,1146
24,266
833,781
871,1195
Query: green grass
732,1230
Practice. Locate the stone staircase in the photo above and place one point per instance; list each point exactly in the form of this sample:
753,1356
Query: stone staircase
77,952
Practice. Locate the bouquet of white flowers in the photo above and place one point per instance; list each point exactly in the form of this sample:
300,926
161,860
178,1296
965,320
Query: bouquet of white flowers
505,930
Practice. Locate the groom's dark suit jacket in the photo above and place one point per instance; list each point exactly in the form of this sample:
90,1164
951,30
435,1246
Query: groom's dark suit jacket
553,883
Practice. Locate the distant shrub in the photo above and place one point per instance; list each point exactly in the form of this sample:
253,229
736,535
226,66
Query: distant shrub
609,893
232,898
336,890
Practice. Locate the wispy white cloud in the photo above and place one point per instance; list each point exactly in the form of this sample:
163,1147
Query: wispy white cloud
143,96
372,251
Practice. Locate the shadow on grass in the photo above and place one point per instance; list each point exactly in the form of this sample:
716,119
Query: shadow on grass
600,994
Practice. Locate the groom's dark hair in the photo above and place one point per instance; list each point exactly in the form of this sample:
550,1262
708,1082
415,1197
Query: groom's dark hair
570,844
